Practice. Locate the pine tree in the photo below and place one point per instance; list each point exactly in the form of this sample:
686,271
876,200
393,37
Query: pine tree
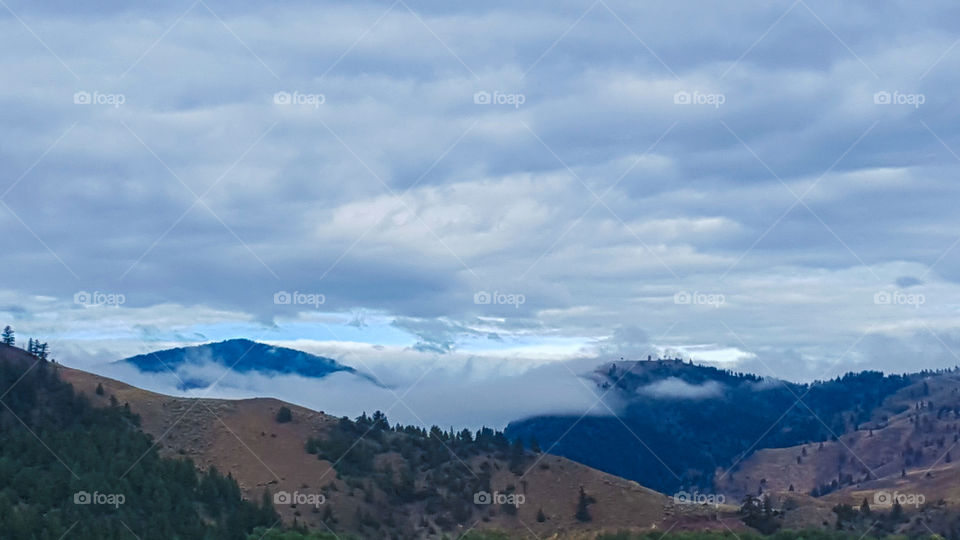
535,445
896,513
516,455
328,515
8,338
584,500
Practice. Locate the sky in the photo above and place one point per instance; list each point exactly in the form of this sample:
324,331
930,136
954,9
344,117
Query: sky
766,186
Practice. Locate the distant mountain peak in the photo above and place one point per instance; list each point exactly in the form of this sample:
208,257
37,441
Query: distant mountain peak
240,355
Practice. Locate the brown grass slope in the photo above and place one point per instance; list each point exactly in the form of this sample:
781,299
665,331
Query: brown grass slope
243,438
909,447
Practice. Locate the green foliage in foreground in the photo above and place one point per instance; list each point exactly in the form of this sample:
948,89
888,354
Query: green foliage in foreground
727,535
71,470
653,535
276,534
263,534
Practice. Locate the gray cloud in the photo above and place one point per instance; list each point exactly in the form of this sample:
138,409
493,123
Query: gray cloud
674,388
908,281
464,391
402,196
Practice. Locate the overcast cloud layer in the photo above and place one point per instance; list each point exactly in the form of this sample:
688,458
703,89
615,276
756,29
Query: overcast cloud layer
770,186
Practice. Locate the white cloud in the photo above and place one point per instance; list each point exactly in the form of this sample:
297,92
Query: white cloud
674,388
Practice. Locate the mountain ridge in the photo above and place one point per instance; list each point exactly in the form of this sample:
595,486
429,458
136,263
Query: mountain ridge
678,422
240,355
